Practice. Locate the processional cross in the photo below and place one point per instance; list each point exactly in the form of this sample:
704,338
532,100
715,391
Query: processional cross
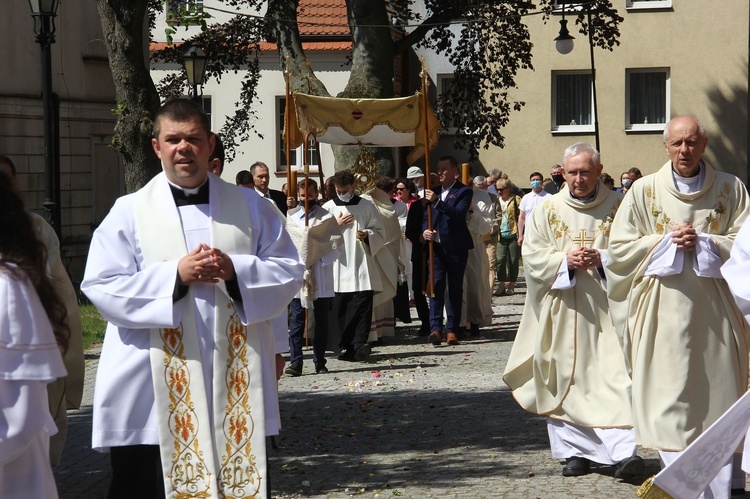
582,239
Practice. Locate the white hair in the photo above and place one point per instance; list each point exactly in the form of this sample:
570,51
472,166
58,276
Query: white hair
480,180
701,128
581,147
495,173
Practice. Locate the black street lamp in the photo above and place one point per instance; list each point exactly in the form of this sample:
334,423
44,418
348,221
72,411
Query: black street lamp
564,45
195,62
44,13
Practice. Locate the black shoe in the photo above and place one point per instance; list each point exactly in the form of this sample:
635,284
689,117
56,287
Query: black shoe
347,355
424,331
320,369
474,331
362,352
576,466
294,369
630,467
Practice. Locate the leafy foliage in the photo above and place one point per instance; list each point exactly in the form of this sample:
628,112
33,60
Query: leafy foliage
488,50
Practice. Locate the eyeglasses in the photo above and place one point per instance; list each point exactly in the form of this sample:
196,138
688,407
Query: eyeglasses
400,188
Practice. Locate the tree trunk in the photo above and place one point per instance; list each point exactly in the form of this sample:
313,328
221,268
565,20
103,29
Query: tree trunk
372,64
124,26
372,72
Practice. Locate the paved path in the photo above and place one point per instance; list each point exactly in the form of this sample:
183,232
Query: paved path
414,421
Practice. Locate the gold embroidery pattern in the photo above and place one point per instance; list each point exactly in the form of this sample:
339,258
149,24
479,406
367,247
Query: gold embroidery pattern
189,474
606,224
239,476
718,214
662,220
559,227
712,222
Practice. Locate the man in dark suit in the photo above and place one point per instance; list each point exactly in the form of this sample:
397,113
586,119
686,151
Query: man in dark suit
261,177
449,204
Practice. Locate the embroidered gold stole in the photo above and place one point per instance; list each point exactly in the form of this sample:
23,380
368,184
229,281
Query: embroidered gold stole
227,460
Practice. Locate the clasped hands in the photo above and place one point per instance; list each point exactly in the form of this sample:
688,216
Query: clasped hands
205,264
584,258
348,219
685,236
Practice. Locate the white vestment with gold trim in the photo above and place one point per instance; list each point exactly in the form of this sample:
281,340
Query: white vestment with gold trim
135,294
566,362
685,340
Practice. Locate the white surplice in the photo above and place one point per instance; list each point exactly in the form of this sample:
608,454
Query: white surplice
355,269
135,298
29,360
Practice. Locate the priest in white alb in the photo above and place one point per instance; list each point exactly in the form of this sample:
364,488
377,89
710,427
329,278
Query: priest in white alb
188,271
566,362
386,260
685,340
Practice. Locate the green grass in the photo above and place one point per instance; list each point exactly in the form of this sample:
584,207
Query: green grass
93,326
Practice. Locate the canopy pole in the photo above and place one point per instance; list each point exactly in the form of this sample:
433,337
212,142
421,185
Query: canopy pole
425,103
306,163
287,125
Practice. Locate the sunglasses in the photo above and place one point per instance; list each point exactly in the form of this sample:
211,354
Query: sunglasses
400,188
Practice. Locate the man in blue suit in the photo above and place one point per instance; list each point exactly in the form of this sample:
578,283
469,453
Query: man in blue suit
449,204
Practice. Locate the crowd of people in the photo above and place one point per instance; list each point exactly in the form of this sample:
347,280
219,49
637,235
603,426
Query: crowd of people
630,335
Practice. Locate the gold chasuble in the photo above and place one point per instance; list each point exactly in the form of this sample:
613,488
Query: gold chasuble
685,340
566,362
218,454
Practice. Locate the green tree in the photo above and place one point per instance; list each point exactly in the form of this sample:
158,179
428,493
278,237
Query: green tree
492,46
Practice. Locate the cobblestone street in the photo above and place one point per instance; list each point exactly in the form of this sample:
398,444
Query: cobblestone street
414,421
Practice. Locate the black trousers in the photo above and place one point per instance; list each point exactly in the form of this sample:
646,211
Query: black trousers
136,472
353,312
419,277
297,330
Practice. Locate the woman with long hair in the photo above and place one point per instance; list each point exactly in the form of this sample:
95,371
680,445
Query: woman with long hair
33,337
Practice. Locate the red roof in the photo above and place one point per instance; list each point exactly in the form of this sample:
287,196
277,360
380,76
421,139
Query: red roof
331,13
334,35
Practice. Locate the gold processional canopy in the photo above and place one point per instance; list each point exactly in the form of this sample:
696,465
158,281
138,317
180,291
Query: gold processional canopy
397,122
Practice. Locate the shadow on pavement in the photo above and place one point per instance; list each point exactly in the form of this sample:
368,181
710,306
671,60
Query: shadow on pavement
333,442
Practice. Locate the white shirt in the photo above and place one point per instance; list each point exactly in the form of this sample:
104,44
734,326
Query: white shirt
531,200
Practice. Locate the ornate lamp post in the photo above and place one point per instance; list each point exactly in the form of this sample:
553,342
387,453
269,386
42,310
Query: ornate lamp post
44,13
564,45
195,62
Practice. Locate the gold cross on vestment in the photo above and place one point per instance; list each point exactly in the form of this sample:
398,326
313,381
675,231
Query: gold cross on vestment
582,240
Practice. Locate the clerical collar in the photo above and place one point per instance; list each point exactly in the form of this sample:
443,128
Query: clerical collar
588,199
185,197
354,200
688,185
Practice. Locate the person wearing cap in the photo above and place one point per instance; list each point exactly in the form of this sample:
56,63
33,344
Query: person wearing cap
416,174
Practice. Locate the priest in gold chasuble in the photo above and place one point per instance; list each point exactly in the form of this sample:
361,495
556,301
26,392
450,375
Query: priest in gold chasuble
566,362
685,340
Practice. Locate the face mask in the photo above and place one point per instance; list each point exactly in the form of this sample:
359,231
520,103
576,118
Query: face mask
536,184
557,178
346,197
626,183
